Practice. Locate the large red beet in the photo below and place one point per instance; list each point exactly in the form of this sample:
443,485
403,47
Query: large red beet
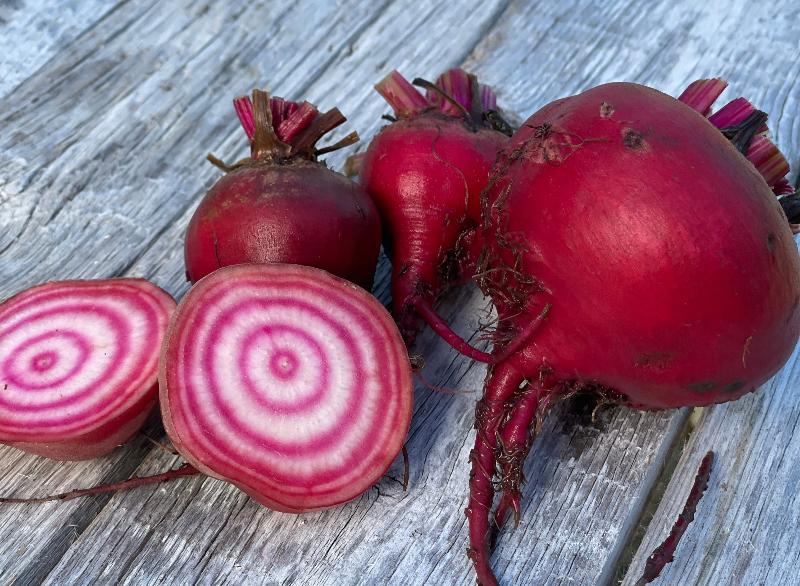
425,172
281,204
660,256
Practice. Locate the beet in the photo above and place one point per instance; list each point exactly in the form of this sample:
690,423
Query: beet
78,365
666,263
281,204
289,382
425,172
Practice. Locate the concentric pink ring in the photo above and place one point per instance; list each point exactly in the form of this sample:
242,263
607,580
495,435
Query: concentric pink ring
277,405
233,419
84,397
121,330
347,430
11,375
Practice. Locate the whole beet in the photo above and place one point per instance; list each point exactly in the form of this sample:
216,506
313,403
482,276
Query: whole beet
652,255
425,172
281,204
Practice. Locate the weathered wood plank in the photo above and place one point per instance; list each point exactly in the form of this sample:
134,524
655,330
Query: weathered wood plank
32,31
35,538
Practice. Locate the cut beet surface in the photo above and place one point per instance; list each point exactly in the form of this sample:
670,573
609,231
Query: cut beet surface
78,365
291,383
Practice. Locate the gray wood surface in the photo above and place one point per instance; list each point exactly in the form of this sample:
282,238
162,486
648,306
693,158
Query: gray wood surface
106,115
31,33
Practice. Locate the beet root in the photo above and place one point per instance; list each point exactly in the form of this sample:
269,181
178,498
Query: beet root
425,172
281,205
78,365
657,241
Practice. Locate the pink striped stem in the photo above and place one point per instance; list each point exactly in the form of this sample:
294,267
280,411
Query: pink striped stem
404,98
702,94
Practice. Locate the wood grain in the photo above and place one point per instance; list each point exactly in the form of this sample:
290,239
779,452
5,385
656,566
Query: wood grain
32,32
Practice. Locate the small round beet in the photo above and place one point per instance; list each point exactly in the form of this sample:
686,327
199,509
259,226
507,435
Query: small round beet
425,172
281,204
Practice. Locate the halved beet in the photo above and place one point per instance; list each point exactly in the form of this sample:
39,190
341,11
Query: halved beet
290,383
78,365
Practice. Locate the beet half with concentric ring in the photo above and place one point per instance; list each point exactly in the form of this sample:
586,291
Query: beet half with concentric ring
287,381
78,365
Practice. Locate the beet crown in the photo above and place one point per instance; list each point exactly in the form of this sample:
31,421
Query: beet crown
281,204
280,130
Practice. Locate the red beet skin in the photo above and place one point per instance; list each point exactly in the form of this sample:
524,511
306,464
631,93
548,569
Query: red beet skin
300,213
78,364
425,172
668,266
290,383
281,205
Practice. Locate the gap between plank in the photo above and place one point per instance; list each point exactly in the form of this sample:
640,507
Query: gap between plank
656,483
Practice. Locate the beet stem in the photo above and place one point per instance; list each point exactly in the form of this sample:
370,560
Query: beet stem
131,483
741,135
296,122
702,94
351,138
665,552
322,124
220,164
265,142
476,107
444,331
403,97
244,110
767,159
418,81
